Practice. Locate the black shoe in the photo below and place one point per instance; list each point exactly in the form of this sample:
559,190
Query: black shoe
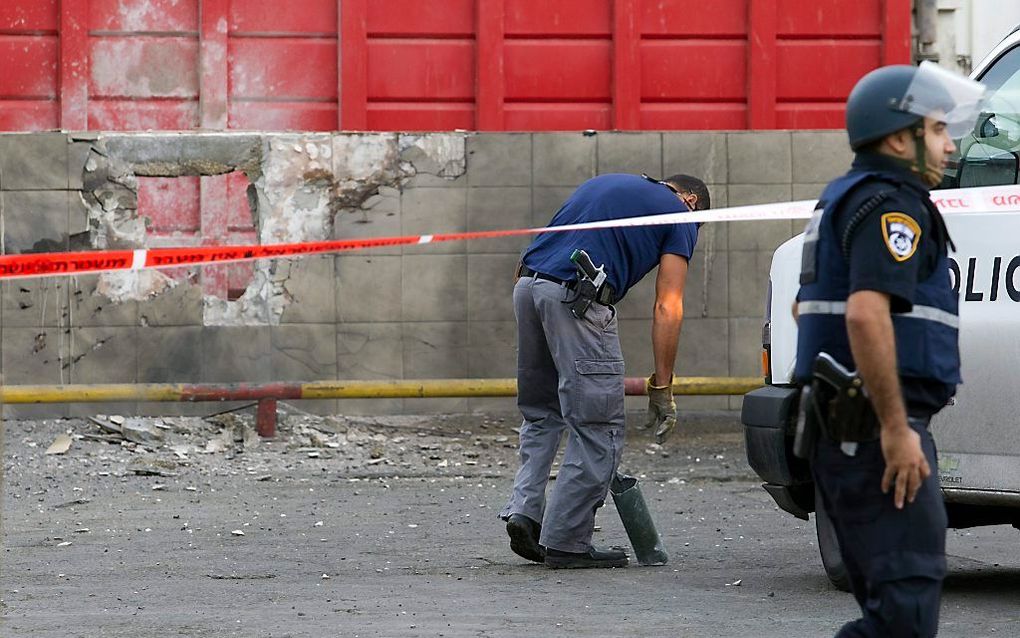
555,559
524,534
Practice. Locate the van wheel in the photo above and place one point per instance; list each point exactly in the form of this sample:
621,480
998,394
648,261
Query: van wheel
828,546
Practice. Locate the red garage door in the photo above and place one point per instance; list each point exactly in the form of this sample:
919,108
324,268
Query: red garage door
168,64
440,65
611,64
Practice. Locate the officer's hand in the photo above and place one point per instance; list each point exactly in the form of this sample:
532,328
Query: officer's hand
905,464
661,408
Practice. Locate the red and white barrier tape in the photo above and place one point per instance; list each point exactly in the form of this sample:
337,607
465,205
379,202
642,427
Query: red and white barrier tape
989,199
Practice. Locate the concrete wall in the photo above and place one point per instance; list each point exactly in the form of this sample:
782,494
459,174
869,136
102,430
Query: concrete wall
968,31
442,310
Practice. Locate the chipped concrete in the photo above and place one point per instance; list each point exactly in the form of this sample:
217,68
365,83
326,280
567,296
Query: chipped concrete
298,184
119,287
110,194
442,155
261,304
295,190
363,163
179,154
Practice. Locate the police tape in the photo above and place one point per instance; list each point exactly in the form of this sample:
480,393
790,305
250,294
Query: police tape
989,199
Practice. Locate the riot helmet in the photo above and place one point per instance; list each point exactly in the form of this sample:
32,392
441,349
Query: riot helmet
896,97
899,97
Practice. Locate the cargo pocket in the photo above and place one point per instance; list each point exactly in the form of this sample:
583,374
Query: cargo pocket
598,398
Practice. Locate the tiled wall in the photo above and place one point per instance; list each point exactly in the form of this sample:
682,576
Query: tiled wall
442,310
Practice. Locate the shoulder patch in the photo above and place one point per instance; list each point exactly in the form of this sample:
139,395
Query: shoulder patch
902,235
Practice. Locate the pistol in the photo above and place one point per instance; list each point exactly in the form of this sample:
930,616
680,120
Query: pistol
586,268
589,281
846,411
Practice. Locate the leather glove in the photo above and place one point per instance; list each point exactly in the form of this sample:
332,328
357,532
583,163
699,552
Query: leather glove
661,408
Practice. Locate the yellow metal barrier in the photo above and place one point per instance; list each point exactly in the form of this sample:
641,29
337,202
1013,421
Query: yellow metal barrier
267,394
389,389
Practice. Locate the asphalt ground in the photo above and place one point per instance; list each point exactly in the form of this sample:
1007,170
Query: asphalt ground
387,527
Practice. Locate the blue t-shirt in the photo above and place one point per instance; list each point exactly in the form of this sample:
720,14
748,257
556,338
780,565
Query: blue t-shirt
628,253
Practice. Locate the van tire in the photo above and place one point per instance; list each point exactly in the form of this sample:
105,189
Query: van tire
828,546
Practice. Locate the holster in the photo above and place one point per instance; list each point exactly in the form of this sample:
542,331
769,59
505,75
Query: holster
841,404
585,295
809,423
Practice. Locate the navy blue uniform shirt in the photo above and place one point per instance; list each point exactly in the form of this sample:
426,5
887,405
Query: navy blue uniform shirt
628,253
874,265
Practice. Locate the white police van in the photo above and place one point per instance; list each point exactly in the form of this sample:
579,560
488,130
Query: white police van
978,436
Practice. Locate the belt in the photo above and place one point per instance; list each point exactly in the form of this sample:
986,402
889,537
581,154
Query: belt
605,295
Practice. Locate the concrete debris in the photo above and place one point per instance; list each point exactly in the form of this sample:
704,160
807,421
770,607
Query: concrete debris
241,576
136,430
60,445
77,501
250,437
221,443
141,431
324,452
153,467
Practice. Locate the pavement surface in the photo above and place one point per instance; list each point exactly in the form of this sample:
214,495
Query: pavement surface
386,526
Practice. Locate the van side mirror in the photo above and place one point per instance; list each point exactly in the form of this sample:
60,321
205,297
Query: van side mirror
986,165
988,128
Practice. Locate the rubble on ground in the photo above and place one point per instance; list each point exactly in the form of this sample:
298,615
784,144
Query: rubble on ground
189,450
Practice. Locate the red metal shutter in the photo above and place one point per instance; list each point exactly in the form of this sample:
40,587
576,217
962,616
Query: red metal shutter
412,65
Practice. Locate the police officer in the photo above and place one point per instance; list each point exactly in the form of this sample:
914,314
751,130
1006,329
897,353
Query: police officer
570,370
876,295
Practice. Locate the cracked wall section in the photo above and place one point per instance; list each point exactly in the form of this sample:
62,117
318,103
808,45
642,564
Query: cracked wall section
298,184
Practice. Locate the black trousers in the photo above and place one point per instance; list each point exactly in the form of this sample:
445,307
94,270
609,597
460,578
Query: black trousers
896,559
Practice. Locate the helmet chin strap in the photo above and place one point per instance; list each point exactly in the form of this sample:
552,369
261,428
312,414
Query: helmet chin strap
930,175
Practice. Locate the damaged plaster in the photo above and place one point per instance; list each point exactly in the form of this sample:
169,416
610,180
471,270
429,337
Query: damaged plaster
298,184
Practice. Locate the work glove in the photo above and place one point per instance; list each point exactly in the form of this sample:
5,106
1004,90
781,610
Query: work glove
661,408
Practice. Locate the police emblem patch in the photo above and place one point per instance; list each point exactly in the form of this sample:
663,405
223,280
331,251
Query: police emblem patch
902,234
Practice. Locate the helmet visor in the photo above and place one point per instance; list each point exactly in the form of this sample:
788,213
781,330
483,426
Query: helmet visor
946,96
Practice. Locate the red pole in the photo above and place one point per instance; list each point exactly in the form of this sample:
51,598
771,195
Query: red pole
626,66
353,67
265,418
74,65
489,72
761,64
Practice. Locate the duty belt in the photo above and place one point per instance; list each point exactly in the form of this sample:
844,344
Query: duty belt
606,296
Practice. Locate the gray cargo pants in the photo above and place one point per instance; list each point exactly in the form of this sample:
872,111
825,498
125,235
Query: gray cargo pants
569,376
